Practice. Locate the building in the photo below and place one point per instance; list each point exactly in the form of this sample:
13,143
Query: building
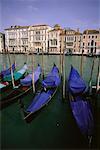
91,42
16,39
77,43
54,39
43,38
2,42
38,38
71,41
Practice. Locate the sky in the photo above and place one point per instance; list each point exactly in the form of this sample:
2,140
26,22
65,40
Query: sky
82,14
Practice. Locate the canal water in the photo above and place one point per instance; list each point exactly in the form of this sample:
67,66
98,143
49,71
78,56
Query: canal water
54,127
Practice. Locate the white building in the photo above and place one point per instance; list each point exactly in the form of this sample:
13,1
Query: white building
91,42
16,38
71,41
2,43
38,38
54,39
22,39
77,43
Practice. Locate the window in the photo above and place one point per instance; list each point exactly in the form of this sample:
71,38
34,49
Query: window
83,44
56,42
84,37
88,44
92,36
96,37
37,32
89,37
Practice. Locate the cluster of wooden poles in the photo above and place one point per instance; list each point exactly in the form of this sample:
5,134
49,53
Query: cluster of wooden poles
62,71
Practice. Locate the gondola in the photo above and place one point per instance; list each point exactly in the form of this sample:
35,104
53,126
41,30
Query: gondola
23,88
17,75
80,105
7,80
44,96
6,72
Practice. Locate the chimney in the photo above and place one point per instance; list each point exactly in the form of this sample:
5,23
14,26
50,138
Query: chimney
99,30
86,31
78,30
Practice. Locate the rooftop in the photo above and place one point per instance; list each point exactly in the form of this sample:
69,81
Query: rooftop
91,32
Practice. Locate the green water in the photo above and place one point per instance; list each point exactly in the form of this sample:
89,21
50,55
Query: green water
54,127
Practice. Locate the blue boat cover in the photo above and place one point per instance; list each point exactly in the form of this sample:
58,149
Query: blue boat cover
39,101
82,113
75,82
52,79
17,75
27,81
7,71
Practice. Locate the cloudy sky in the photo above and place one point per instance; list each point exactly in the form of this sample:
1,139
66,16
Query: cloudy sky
68,13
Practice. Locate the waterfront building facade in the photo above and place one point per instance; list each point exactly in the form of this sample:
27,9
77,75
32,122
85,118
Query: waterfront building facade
91,42
71,41
16,39
54,39
43,38
38,38
2,42
77,43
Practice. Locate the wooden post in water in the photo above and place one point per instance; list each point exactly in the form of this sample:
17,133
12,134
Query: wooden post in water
81,65
64,47
98,77
12,77
90,81
60,62
33,73
42,63
63,63
14,56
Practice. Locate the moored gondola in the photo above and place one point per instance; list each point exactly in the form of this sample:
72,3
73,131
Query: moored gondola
6,72
23,88
44,96
7,80
80,105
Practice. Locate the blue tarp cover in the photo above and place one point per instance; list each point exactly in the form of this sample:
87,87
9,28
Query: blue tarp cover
82,112
7,71
17,75
27,81
39,100
76,83
52,79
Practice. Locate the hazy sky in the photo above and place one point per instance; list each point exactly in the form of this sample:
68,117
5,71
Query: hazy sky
81,14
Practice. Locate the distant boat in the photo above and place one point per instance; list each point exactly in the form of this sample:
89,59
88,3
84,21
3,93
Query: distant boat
23,88
80,106
42,97
90,55
7,71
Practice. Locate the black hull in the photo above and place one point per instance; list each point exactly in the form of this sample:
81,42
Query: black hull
15,95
